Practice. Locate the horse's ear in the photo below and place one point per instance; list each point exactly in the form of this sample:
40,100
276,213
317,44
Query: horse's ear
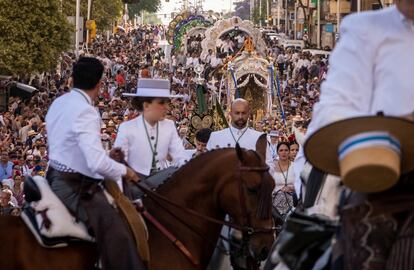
239,152
261,146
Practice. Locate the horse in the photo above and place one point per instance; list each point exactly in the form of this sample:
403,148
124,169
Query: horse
230,181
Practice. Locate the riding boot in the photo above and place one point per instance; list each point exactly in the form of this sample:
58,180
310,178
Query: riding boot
116,246
84,198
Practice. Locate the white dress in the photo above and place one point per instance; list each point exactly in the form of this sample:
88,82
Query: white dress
279,177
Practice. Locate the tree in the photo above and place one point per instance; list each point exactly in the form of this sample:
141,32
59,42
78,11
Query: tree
151,6
256,15
33,33
104,12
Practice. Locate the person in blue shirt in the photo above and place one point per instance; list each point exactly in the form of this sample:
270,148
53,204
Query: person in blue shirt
6,166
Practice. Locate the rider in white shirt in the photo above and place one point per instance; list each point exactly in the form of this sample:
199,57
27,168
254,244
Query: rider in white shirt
149,139
78,163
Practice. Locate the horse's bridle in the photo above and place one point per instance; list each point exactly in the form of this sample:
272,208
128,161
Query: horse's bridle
245,228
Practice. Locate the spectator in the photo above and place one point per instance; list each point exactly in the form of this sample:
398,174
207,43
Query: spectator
6,166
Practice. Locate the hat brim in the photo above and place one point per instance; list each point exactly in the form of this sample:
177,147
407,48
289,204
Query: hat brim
321,148
160,96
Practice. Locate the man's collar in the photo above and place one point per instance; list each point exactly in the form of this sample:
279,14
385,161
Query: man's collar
234,129
83,93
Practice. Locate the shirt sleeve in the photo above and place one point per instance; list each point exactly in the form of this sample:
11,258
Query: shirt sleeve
210,142
269,159
121,140
176,148
87,129
348,89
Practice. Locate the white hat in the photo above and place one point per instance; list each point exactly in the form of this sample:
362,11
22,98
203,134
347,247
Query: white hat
274,133
153,88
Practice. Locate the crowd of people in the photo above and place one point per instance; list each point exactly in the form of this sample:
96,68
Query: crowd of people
127,57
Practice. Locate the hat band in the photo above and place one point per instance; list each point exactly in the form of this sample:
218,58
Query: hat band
151,92
369,139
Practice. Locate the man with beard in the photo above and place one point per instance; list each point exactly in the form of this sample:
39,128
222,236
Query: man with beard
238,132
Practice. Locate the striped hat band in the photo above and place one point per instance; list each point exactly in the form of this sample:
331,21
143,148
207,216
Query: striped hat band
367,140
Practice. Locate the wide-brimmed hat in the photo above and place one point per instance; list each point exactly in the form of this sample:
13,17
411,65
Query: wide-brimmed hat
153,88
369,153
274,133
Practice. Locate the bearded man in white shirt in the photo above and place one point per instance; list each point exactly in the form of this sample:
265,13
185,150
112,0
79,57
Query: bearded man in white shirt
238,132
363,80
78,163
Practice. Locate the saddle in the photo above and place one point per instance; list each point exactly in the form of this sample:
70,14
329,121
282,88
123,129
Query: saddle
47,218
54,226
152,182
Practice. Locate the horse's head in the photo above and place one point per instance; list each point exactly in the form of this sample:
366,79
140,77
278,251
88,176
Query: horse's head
247,198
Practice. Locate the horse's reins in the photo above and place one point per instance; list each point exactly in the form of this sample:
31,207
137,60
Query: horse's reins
246,229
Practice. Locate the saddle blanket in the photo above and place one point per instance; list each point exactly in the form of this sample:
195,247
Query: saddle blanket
62,224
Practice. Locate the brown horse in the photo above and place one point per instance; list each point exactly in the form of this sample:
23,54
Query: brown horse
220,182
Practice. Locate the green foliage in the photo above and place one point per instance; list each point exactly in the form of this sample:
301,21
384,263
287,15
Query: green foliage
256,15
104,12
33,33
150,6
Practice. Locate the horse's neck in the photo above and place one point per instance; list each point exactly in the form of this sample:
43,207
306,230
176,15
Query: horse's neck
192,187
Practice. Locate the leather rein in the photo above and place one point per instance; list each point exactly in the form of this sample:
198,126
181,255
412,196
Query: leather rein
246,228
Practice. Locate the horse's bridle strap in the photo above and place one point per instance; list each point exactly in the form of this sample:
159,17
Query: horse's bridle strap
170,237
254,169
155,195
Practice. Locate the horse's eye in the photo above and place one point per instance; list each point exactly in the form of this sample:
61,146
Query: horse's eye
252,190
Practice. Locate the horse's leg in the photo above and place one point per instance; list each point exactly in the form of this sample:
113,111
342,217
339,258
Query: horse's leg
20,250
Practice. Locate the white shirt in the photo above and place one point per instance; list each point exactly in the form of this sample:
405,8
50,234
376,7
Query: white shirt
133,141
246,137
215,61
189,61
74,138
371,70
281,178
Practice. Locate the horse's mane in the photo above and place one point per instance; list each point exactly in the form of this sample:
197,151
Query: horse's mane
265,197
199,159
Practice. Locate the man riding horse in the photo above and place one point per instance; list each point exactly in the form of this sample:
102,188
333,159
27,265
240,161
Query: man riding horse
78,164
372,152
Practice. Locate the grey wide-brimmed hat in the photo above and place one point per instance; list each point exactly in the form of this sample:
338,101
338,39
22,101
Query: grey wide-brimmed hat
153,88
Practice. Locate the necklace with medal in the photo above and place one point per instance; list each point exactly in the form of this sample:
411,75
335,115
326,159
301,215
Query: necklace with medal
285,176
153,148
234,138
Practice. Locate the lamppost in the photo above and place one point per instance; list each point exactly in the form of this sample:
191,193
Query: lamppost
318,33
295,21
88,18
77,25
286,17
